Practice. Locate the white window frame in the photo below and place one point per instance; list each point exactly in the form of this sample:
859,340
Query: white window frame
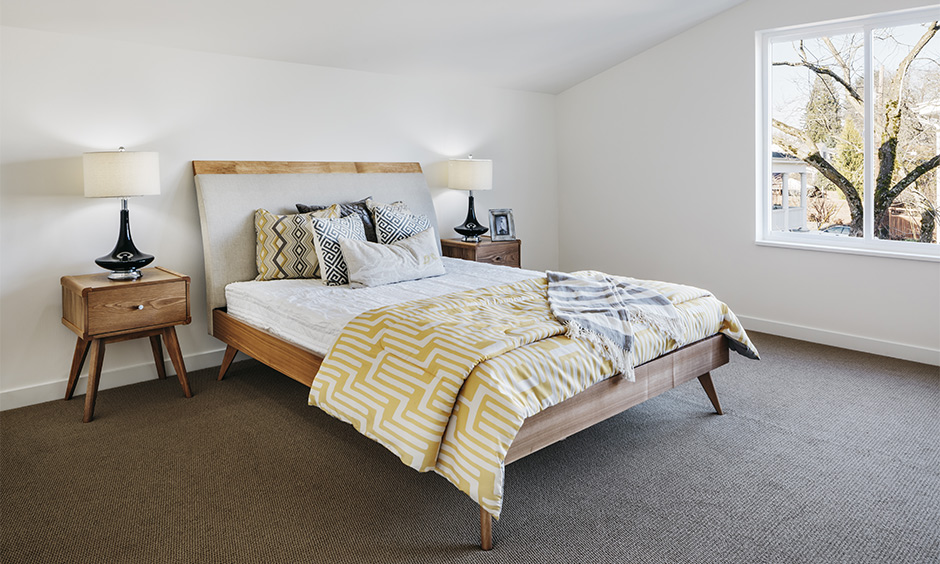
868,244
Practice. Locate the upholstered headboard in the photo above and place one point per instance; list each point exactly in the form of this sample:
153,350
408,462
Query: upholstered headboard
229,192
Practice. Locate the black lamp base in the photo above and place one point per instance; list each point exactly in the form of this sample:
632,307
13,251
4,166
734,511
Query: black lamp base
125,260
471,228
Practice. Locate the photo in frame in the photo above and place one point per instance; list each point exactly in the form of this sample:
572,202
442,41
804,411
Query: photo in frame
502,226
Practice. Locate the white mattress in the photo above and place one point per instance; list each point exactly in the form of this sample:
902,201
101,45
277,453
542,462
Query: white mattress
310,314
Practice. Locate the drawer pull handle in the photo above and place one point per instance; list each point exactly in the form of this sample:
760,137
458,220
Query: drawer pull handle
141,306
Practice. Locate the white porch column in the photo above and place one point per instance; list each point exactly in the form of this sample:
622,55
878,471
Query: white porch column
803,199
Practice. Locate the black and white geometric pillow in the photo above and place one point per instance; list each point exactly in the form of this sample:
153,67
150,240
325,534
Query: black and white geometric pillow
392,225
326,234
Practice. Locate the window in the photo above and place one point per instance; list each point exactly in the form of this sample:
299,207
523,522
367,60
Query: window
850,135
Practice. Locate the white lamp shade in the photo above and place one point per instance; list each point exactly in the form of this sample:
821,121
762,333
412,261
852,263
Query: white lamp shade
121,174
470,174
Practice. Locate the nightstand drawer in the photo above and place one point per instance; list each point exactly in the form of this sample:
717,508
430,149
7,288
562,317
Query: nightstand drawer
506,256
134,307
505,253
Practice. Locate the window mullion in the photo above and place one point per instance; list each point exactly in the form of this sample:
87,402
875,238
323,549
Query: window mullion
870,158
766,179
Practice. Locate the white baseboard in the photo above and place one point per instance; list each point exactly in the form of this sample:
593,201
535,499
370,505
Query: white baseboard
55,390
29,395
853,342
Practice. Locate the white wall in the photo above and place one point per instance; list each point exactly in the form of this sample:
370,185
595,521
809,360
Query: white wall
657,180
64,95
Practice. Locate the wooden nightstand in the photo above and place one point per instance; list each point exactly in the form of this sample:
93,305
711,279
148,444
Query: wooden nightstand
102,311
506,253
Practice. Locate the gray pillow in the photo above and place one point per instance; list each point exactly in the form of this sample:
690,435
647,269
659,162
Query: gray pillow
349,208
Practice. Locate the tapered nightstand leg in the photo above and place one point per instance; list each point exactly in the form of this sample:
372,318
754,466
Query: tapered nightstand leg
230,353
158,356
176,355
78,360
94,375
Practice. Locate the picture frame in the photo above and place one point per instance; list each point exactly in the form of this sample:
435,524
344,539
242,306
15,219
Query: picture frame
502,226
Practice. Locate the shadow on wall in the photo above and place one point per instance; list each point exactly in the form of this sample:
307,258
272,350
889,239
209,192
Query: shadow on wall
44,178
436,173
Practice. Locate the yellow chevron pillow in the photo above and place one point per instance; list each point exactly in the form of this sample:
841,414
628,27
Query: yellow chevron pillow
284,247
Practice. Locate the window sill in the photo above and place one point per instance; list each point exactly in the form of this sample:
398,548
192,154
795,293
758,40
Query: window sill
880,249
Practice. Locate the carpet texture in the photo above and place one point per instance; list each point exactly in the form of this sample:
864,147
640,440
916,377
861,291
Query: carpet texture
823,455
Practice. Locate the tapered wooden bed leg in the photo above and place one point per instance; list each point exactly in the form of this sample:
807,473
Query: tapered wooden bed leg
230,353
486,530
706,381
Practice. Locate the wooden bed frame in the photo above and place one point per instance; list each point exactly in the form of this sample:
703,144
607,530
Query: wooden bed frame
599,402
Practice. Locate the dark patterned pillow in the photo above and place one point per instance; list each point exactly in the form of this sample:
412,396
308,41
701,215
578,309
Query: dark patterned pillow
392,225
359,208
326,234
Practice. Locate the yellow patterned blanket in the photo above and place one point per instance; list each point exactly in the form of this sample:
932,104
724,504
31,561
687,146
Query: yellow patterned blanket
446,383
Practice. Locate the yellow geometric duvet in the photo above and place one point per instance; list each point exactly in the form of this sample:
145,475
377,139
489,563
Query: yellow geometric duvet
445,383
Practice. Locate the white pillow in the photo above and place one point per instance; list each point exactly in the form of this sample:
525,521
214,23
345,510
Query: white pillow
374,264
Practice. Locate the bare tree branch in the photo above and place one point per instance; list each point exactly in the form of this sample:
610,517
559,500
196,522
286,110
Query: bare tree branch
794,131
893,103
909,58
814,159
918,171
855,102
824,71
846,69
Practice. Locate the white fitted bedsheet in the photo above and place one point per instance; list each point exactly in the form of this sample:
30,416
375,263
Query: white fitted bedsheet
310,314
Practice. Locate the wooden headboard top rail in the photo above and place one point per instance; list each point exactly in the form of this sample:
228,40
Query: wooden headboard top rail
298,167
229,192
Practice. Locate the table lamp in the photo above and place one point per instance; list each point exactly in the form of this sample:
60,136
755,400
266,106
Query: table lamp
470,174
122,174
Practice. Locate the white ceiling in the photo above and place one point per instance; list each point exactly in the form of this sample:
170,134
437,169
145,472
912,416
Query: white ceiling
534,45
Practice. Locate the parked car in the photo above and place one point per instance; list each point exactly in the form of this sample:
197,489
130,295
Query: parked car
837,230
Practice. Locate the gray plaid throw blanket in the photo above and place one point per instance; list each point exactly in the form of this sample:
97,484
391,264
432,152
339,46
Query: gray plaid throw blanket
600,308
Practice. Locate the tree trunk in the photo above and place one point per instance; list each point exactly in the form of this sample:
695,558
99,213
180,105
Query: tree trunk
927,222
848,189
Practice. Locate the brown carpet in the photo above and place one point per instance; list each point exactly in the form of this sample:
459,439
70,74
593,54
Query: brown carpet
824,455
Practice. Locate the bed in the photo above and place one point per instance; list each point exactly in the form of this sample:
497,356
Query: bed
229,192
